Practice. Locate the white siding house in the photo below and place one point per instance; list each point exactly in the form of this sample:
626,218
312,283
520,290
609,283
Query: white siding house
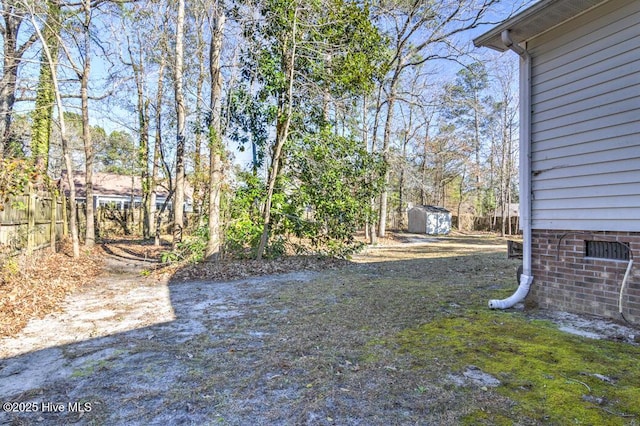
585,122
580,152
118,191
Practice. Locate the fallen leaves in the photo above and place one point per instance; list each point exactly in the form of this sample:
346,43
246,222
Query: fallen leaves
34,286
237,269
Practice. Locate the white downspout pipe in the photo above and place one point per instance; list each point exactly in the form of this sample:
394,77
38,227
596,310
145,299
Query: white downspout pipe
525,175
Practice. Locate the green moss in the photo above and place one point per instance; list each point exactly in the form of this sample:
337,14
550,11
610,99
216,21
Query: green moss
553,377
480,417
90,368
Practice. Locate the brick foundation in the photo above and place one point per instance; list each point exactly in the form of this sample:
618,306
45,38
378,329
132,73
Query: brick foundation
565,279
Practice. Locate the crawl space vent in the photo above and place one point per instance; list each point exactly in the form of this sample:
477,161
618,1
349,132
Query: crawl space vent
607,250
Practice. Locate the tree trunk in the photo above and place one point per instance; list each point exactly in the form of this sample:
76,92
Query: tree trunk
461,189
391,99
285,110
365,138
373,230
198,175
401,200
142,157
154,225
178,202
90,233
476,144
508,173
423,180
65,144
45,98
12,56
216,147
382,221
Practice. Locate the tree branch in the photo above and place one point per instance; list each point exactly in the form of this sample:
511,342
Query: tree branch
27,44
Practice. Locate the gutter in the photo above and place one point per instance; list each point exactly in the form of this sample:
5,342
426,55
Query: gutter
526,279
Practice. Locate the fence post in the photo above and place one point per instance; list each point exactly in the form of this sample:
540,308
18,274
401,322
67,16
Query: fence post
31,220
65,217
52,230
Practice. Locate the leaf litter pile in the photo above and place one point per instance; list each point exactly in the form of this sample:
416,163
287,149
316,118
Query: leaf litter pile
34,286
237,269
399,335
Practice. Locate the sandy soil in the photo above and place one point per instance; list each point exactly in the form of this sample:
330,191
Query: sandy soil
291,348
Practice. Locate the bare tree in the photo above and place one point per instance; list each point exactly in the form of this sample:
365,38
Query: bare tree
216,147
82,71
202,115
13,14
428,113
83,75
420,32
143,35
73,225
178,75
154,226
137,61
504,120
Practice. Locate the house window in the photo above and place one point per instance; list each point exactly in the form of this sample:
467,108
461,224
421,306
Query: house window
109,204
607,250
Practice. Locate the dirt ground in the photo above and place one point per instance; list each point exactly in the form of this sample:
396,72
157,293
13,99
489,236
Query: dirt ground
307,343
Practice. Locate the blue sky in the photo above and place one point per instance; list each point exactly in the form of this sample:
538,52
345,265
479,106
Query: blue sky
112,116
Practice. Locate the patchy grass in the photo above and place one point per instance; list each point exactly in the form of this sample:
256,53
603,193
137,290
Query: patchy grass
381,341
338,339
385,339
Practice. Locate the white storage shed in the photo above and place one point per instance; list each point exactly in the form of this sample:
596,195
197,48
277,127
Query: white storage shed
430,220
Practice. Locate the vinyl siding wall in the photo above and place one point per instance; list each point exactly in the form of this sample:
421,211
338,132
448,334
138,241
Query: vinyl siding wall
585,137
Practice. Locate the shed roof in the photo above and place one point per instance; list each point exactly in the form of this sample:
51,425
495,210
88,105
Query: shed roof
432,209
537,19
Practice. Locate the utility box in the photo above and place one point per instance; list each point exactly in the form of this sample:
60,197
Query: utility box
430,220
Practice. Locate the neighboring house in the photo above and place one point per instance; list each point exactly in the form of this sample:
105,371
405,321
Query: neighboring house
511,210
579,153
118,191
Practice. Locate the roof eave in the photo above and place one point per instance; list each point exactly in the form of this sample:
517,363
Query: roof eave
535,20
493,37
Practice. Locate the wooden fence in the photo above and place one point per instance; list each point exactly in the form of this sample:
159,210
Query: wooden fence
486,223
38,219
32,221
112,222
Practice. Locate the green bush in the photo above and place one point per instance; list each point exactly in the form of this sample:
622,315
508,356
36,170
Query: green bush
191,248
242,237
321,200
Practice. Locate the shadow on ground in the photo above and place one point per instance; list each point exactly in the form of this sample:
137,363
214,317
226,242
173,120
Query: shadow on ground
295,348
